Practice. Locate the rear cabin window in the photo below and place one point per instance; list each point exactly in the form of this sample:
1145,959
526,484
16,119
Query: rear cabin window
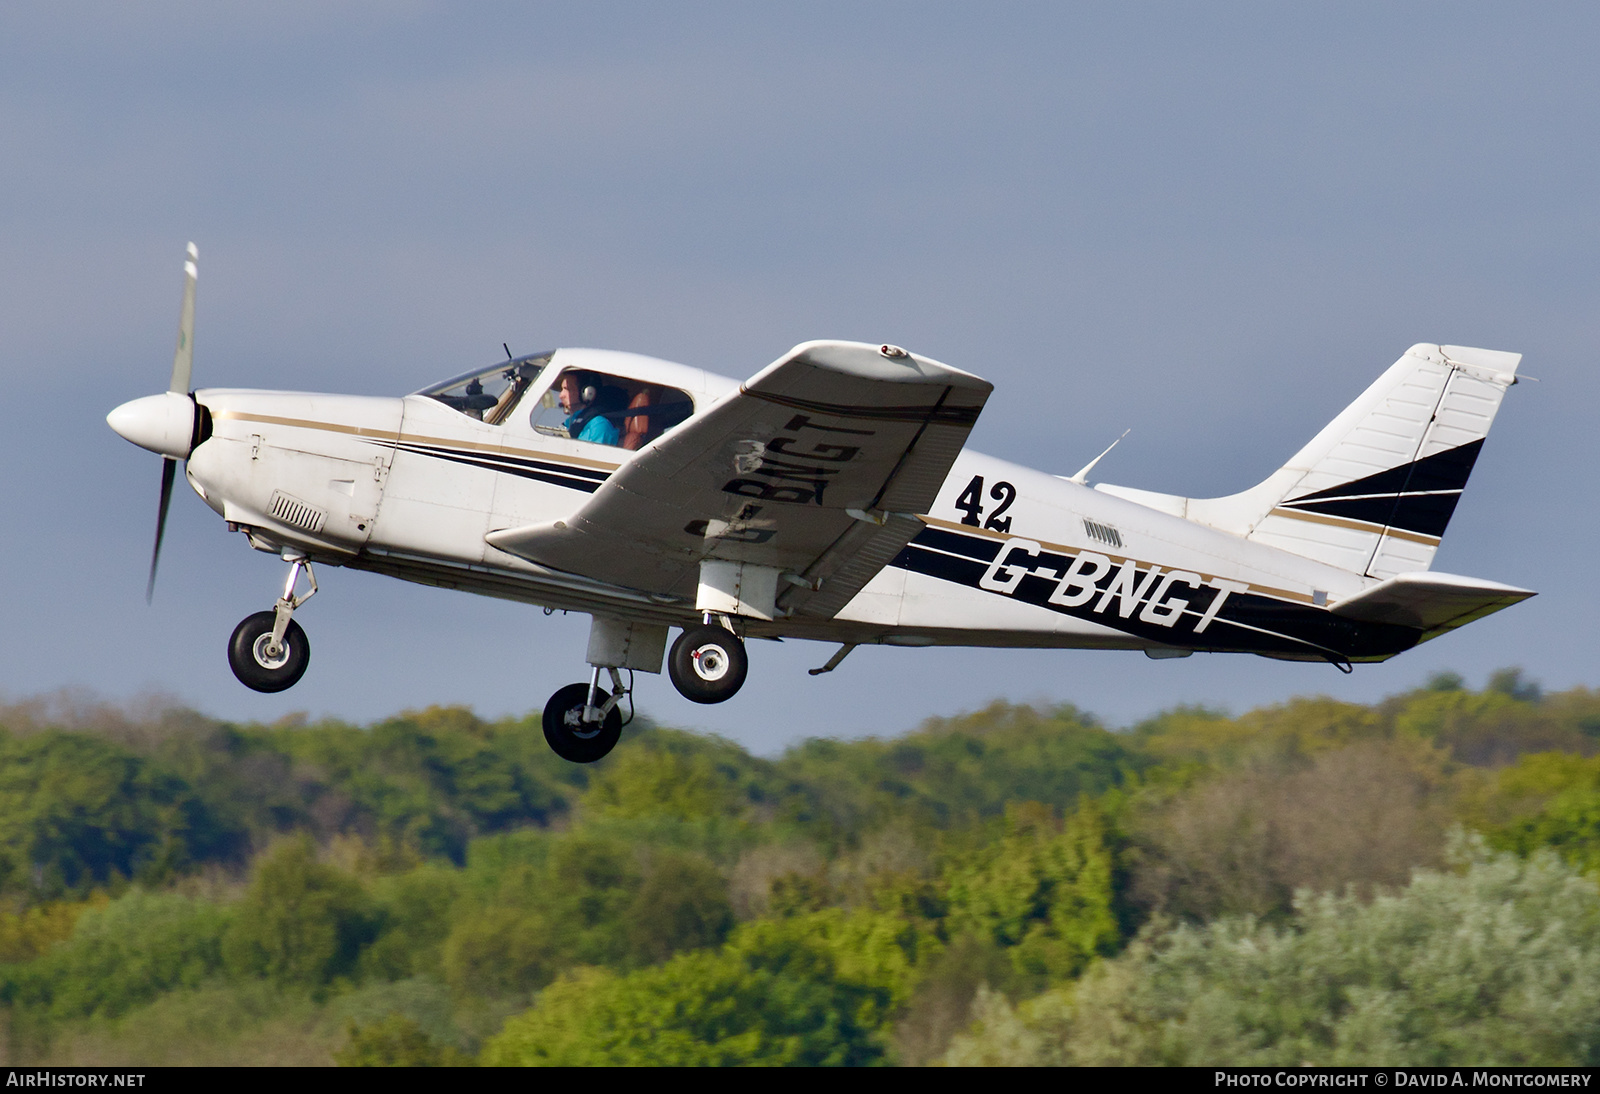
609,410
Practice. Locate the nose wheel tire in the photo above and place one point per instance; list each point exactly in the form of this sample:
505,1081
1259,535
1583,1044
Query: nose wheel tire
569,736
261,668
708,664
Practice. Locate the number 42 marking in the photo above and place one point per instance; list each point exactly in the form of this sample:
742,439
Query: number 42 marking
971,503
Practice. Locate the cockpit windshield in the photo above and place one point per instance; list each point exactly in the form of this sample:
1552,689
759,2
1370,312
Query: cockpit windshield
490,394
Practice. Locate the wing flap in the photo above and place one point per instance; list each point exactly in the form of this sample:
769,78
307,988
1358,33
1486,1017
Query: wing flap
845,568
1432,602
815,466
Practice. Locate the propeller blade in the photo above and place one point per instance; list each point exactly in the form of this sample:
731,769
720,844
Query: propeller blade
183,359
169,469
182,371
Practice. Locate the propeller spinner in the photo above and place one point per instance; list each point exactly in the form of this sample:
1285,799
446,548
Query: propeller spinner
166,424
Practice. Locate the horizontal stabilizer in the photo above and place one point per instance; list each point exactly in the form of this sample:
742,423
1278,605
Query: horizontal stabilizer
1433,603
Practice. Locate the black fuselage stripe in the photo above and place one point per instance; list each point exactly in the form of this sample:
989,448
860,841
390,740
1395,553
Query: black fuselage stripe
955,543
554,474
502,458
967,572
1260,623
422,448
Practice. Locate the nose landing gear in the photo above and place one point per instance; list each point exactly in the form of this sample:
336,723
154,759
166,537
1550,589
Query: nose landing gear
269,651
582,722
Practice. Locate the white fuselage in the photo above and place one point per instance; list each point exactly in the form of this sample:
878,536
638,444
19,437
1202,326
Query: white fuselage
1011,556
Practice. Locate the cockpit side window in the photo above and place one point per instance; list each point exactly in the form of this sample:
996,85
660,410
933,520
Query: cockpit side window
610,410
490,394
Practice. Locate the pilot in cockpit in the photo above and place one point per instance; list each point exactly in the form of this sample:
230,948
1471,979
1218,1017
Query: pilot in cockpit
580,398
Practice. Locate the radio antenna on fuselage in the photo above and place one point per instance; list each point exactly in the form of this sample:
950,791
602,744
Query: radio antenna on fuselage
1082,477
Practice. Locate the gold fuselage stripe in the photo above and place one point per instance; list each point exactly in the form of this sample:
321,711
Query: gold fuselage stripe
415,438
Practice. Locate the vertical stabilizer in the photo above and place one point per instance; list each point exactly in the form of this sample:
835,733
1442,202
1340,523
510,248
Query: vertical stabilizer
1373,492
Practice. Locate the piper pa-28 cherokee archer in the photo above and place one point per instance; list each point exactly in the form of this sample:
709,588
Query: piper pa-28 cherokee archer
828,497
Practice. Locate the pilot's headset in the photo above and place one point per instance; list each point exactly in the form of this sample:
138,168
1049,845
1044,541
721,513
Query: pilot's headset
588,387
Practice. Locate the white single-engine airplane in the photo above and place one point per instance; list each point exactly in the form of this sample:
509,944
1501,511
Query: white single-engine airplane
827,497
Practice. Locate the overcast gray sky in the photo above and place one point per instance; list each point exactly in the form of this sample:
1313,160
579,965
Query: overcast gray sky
1215,224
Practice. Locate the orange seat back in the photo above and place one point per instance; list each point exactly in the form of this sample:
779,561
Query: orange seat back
636,426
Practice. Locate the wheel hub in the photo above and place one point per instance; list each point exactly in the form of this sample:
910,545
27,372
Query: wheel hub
268,657
710,662
574,722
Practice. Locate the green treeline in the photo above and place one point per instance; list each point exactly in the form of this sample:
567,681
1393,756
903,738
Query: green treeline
1408,882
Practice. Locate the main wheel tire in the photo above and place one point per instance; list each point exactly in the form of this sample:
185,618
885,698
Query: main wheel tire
247,654
708,664
566,733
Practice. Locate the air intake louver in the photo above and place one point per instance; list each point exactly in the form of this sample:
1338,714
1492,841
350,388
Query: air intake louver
1103,532
296,512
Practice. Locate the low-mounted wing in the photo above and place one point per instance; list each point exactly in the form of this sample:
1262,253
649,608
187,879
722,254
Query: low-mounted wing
817,467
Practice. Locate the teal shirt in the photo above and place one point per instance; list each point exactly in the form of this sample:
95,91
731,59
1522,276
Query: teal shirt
597,429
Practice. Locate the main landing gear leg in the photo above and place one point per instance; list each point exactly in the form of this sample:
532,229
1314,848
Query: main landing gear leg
269,651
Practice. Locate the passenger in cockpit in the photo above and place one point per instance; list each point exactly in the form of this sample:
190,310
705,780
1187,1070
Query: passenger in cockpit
580,397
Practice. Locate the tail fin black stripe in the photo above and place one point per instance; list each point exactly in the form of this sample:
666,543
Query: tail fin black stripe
1427,514
1447,470
1418,497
